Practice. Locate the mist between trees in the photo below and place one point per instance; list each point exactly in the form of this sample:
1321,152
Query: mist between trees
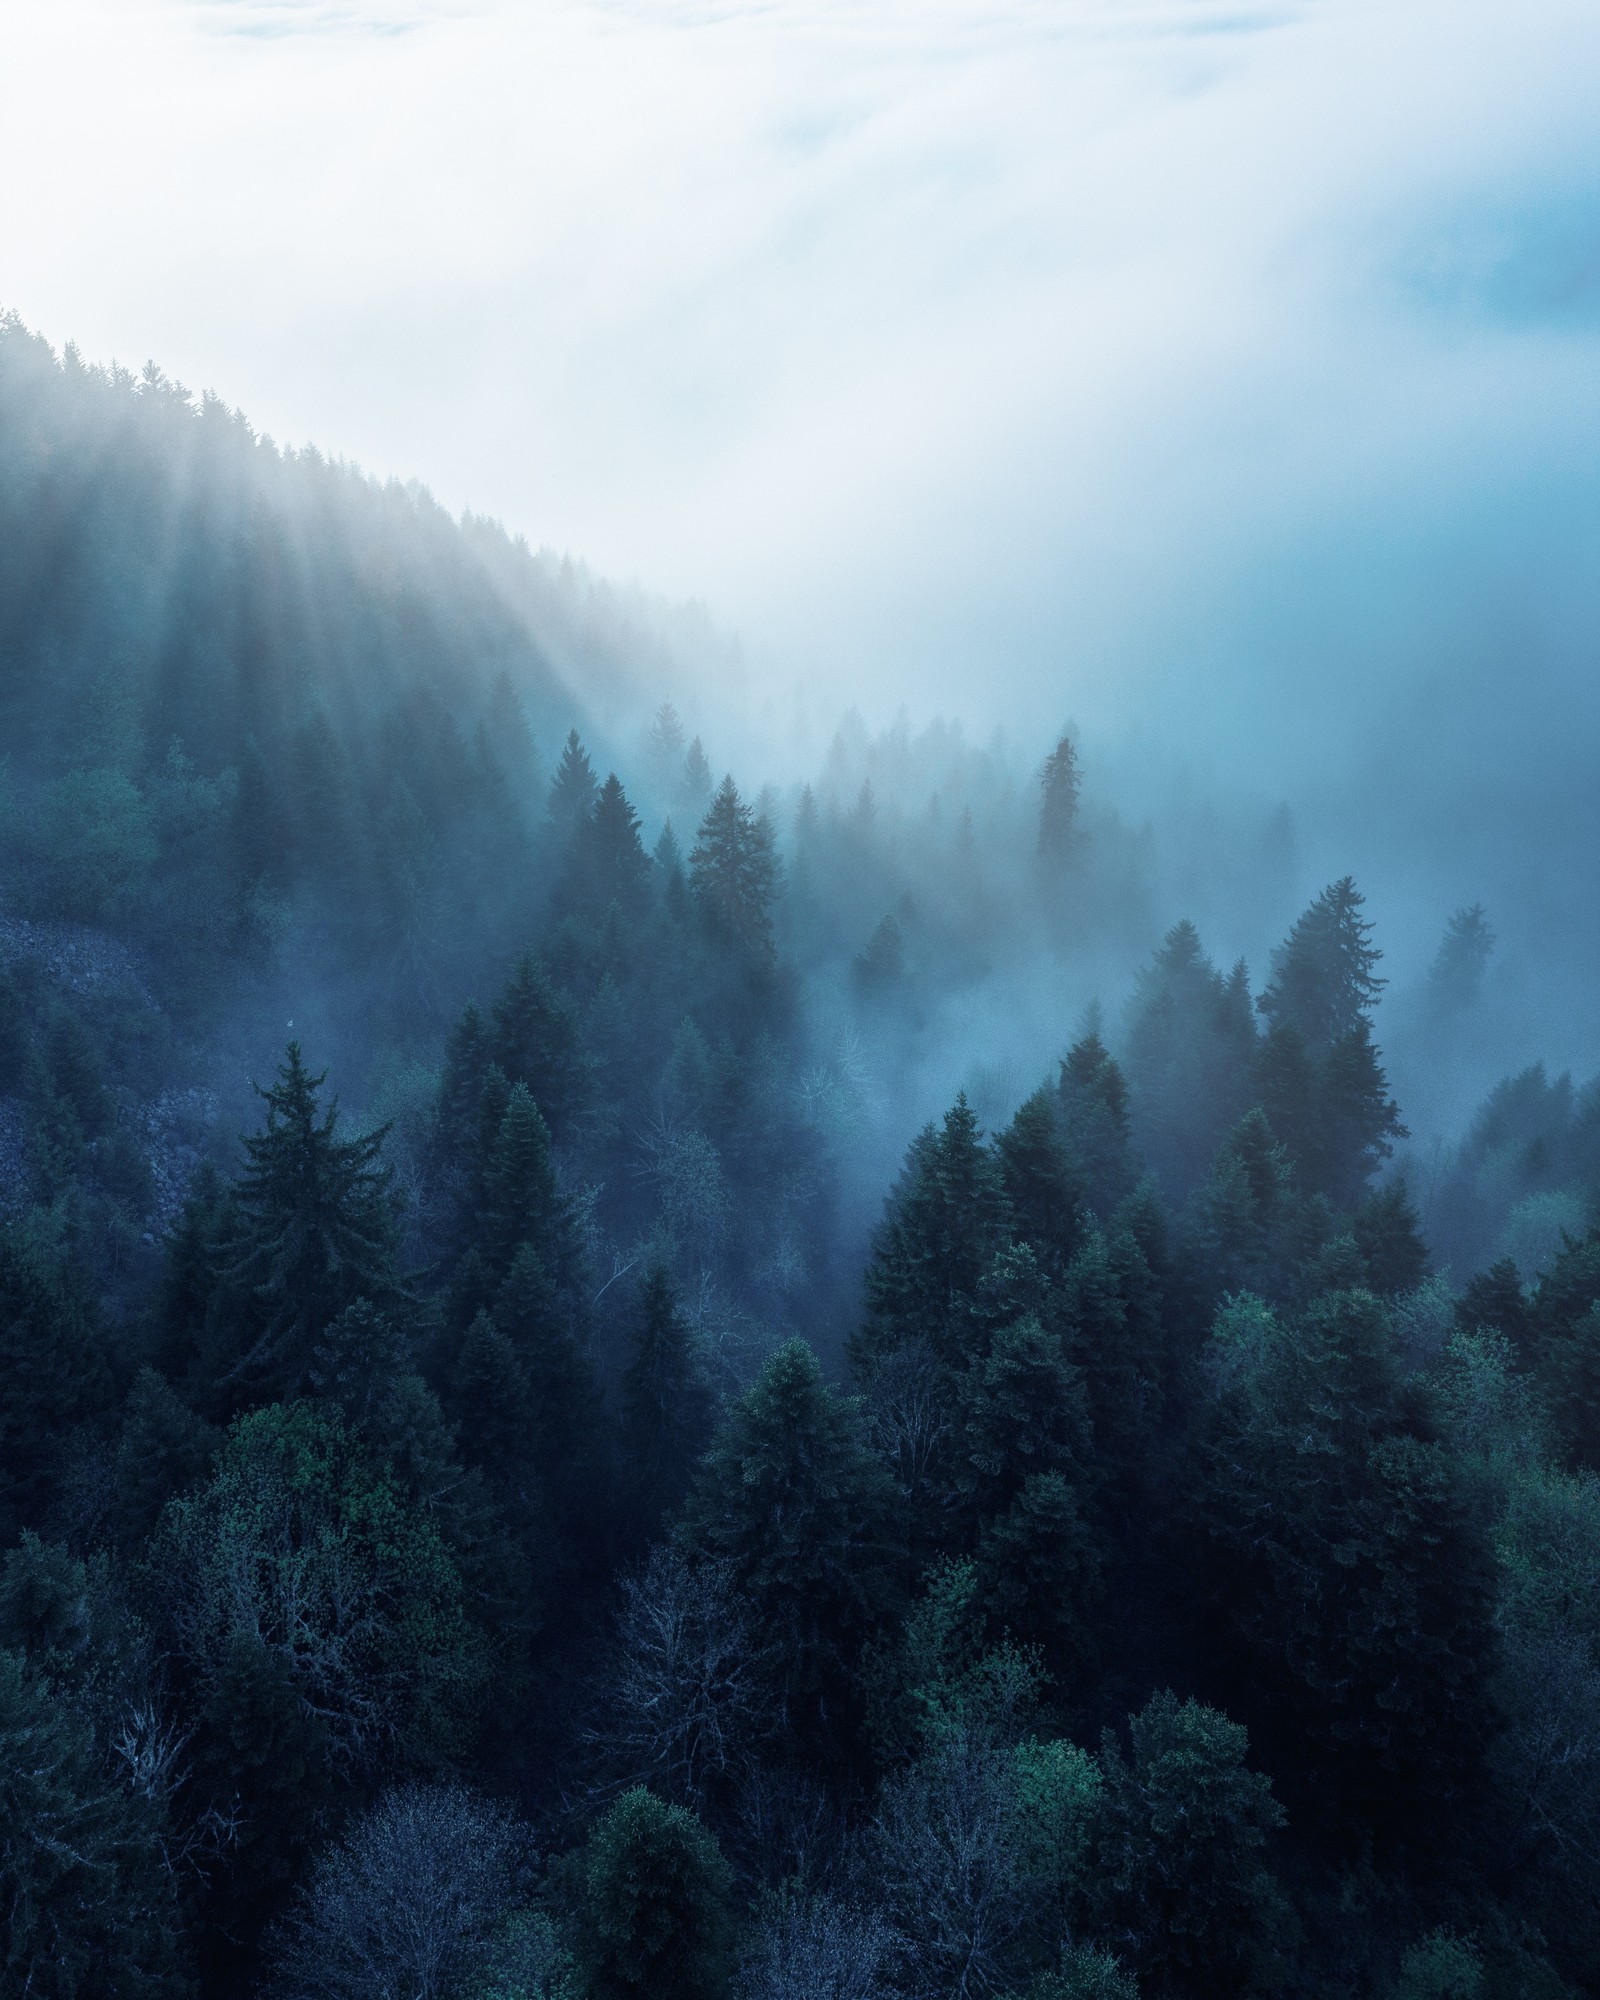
849,1403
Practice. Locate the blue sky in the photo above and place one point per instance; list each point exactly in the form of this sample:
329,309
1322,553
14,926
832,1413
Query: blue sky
1238,363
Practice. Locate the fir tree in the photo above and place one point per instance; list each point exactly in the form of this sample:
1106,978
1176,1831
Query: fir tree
696,775
1058,805
792,1500
1324,975
944,1223
656,1909
535,1039
607,863
316,1232
1092,1094
1045,1194
572,789
1456,976
734,874
1181,1876
666,1401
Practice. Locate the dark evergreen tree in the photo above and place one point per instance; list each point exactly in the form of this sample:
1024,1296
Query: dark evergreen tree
666,1401
1356,1571
572,789
54,1378
1044,1193
791,1498
1324,975
606,862
316,1232
734,874
535,1039
1058,806
657,1921
1027,1483
1181,1875
1320,1078
1388,1234
1092,1094
1456,976
944,1223
1191,1041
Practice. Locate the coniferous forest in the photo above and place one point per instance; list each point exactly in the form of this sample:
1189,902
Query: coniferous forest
567,1430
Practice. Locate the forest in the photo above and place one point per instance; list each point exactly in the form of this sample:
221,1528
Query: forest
624,1380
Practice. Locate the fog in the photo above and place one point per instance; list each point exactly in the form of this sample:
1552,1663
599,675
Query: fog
1010,359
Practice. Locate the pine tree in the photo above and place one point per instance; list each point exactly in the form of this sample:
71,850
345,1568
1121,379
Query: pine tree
880,968
536,1040
1026,1458
666,1401
1180,1874
1058,805
696,775
666,740
1045,1194
944,1223
1191,1042
1093,1097
792,1500
54,1376
1320,1079
316,1231
734,874
1388,1234
1355,1572
656,1912
607,863
523,1205
1324,975
572,789
1456,976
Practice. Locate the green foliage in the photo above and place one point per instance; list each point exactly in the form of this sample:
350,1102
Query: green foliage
792,1500
1353,1566
302,1551
1181,1874
315,1232
54,1378
944,1223
733,872
656,1917
89,1907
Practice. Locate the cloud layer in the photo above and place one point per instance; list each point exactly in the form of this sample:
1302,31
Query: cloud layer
1231,362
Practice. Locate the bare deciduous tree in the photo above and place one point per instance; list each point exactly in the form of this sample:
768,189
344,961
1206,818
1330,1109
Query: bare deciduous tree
683,1702
409,1905
817,1948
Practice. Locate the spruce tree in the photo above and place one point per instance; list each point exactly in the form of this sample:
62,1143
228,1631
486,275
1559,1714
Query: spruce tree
1058,805
666,1401
316,1231
945,1221
657,1921
734,874
792,1500
1092,1095
1181,1872
606,862
1045,1194
572,789
535,1039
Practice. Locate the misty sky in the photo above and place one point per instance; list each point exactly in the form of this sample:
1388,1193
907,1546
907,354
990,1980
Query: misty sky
1234,363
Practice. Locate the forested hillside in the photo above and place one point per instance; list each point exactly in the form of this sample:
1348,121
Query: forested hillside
530,1466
